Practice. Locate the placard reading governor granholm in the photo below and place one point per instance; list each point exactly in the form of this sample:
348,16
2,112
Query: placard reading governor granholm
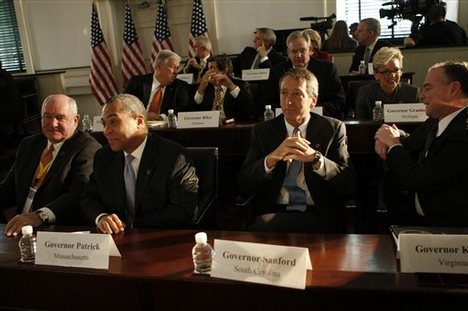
72,246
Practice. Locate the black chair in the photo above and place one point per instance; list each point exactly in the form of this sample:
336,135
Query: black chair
205,160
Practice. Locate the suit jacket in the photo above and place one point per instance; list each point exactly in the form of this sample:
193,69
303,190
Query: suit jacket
246,58
368,94
361,49
166,186
440,180
9,100
240,108
176,95
326,135
195,71
63,183
331,94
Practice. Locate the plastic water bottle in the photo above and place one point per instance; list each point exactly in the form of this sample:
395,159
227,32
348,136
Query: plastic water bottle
377,112
202,254
27,245
268,114
362,68
171,119
87,123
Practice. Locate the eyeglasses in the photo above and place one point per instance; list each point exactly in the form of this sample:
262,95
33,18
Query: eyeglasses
389,72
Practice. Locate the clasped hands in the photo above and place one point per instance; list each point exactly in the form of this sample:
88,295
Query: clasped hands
385,137
292,148
217,79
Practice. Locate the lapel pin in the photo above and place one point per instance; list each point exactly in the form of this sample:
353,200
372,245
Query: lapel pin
148,172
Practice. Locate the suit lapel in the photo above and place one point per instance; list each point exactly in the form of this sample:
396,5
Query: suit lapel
118,184
147,166
459,122
314,133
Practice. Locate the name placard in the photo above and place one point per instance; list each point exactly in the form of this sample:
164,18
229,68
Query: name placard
198,119
187,77
316,109
86,250
255,74
414,112
97,124
284,266
435,253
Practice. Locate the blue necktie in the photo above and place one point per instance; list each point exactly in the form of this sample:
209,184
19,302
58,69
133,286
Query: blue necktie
297,198
130,180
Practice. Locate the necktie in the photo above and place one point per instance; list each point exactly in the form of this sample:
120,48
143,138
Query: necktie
429,140
202,67
218,99
130,180
257,62
367,56
155,105
297,198
43,167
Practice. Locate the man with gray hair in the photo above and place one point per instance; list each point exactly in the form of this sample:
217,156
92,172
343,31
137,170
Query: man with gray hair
298,165
368,33
161,90
198,65
140,179
262,55
50,170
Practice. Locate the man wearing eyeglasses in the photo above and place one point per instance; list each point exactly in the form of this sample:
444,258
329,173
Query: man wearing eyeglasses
368,33
388,68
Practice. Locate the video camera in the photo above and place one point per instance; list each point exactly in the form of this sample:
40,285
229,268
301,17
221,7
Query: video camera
413,10
321,24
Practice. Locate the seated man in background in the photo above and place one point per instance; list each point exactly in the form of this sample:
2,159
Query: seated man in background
161,90
388,67
139,180
331,95
50,170
261,56
198,65
426,182
298,165
219,91
368,33
438,30
316,45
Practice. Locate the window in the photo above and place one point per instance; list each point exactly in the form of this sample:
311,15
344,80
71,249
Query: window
11,50
353,11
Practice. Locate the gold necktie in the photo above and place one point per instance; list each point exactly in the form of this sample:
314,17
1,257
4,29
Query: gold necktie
43,167
218,99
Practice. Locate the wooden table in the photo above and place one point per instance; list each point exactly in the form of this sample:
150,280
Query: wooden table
155,273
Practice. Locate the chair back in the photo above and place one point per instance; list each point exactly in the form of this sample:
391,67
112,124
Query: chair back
205,160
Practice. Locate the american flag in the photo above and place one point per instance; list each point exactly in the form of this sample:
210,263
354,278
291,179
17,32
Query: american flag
101,78
162,35
198,26
133,63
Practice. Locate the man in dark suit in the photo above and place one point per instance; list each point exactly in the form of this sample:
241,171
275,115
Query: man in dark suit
174,92
235,98
427,179
48,191
368,33
316,146
331,95
139,179
198,65
261,56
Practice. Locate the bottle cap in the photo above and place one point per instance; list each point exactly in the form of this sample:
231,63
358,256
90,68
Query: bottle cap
170,111
27,230
201,237
267,106
378,103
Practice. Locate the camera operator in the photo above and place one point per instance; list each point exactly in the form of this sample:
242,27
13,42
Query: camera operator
437,30
368,33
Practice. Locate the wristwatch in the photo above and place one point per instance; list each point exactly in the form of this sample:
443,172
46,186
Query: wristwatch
318,157
43,216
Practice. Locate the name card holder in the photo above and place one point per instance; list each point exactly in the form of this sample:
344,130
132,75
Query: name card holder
187,77
85,250
434,253
283,266
198,119
410,112
255,74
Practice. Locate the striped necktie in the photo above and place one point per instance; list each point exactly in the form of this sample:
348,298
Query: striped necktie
218,99
43,167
